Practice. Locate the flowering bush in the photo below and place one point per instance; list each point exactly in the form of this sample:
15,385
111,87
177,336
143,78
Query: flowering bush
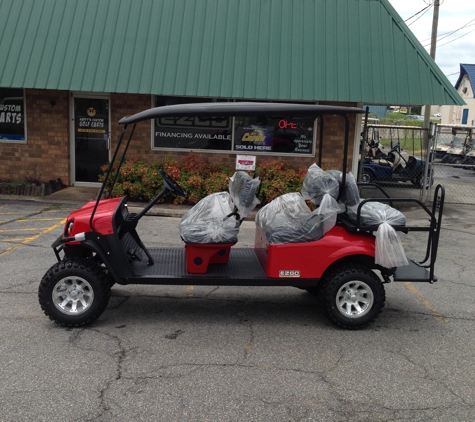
279,178
141,181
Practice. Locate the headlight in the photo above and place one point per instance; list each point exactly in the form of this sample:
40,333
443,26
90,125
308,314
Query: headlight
69,228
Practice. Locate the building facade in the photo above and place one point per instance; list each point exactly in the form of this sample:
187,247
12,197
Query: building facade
66,80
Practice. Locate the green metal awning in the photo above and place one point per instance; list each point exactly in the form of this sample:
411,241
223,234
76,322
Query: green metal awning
298,50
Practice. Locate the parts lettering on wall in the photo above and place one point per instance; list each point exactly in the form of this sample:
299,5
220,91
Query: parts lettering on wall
12,122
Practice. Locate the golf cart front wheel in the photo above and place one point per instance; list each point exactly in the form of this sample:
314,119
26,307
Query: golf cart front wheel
354,297
418,183
74,292
366,177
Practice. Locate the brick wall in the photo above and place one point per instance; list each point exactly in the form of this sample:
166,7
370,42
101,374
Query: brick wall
47,152
45,156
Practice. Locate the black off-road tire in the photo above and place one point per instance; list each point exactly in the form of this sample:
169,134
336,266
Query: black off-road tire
367,177
88,284
361,309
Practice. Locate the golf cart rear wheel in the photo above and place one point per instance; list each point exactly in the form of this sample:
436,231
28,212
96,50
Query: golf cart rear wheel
354,296
74,292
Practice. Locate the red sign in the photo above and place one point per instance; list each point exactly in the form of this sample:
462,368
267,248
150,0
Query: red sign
284,124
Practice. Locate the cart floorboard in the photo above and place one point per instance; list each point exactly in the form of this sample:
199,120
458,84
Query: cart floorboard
243,268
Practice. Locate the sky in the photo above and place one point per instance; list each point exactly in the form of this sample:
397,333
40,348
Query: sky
454,48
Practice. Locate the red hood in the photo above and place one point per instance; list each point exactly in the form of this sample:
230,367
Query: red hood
102,222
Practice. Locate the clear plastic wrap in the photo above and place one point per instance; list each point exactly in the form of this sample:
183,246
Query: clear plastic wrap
317,183
287,219
350,196
389,251
242,189
373,213
207,221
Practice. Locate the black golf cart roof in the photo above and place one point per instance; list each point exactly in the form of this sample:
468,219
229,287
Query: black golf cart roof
239,109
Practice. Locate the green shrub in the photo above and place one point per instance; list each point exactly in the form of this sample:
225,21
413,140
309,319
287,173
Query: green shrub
141,181
279,178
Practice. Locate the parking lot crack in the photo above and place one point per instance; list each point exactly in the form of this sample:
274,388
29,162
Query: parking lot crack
247,323
119,355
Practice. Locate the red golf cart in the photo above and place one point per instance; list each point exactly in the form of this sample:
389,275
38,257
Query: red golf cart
100,245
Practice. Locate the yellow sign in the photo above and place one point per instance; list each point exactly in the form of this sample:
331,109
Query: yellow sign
257,135
91,130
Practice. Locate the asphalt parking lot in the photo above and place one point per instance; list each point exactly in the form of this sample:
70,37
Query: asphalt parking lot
190,353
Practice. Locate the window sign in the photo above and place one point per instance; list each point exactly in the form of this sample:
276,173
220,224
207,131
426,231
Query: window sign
12,115
245,135
214,133
193,133
281,135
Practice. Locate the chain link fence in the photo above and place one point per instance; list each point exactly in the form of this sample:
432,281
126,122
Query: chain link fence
396,157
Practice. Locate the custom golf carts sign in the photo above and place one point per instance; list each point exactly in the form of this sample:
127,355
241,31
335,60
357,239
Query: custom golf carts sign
12,120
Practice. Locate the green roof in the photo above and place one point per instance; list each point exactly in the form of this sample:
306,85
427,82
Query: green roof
300,50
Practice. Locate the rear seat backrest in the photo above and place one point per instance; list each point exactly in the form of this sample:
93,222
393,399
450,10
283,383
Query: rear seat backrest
242,189
214,219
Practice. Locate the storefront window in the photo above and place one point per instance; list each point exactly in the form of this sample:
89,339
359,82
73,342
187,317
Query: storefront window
12,115
275,135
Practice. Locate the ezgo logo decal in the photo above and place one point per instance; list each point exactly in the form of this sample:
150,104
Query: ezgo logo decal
289,273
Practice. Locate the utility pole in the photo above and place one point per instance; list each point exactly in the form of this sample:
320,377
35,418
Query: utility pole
433,43
427,113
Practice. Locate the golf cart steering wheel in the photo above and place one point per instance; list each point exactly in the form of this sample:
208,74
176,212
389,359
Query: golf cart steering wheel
172,185
396,147
373,144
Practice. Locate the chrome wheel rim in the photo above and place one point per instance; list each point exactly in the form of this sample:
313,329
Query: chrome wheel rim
354,299
72,295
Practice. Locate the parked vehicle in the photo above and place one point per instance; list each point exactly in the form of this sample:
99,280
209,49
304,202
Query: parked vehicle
395,168
441,148
100,245
456,153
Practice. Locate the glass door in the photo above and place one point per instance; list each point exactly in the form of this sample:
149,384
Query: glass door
91,138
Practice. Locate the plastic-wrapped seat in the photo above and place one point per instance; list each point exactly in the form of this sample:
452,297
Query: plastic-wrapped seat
389,251
288,219
210,228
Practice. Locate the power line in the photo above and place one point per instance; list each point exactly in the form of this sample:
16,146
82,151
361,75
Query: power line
456,38
446,34
420,11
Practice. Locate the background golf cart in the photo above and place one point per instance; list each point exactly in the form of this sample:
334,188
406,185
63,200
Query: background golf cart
394,156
